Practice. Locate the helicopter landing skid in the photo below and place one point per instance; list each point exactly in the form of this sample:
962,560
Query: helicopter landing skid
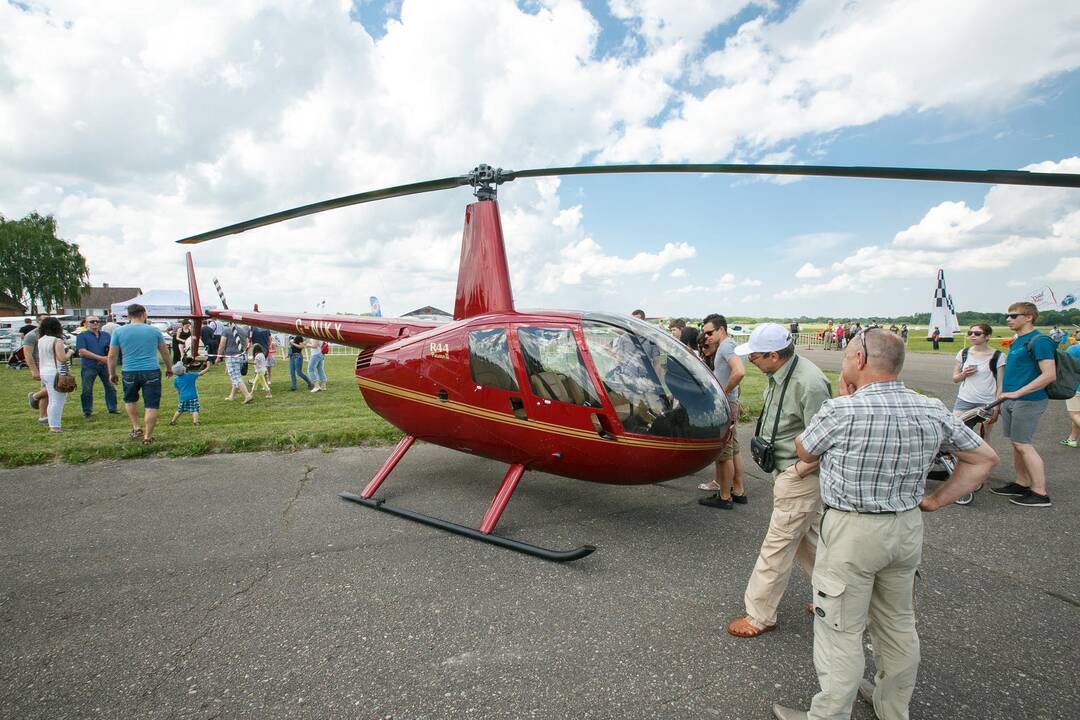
522,547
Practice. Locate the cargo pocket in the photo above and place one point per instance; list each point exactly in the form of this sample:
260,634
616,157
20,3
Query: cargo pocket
829,601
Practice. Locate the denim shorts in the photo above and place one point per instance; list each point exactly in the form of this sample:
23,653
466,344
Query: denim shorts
149,381
1020,418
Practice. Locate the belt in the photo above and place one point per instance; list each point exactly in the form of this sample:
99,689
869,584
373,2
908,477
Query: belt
865,512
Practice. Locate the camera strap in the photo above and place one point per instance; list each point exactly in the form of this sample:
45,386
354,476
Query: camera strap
779,405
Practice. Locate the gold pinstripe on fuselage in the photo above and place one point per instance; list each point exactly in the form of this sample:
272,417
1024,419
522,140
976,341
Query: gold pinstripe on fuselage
508,419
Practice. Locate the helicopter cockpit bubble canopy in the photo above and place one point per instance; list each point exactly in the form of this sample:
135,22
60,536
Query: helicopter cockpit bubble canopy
657,386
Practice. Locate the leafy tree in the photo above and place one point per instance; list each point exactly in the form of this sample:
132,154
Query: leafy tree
37,267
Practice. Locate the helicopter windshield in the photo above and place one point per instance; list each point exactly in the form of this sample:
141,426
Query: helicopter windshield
656,386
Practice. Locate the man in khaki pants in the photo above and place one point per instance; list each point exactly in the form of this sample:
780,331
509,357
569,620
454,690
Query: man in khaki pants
795,391
875,444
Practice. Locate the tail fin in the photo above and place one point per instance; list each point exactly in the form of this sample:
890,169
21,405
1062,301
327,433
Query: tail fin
196,306
193,289
483,274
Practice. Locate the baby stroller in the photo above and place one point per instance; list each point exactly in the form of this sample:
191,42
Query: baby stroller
944,464
17,360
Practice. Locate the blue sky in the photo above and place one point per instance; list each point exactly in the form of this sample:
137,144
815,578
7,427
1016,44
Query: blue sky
198,116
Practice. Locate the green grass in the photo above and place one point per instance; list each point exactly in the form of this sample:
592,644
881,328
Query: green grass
918,342
752,389
289,421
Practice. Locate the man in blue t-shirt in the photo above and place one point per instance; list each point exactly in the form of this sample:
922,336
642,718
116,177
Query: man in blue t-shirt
1073,403
141,344
1029,368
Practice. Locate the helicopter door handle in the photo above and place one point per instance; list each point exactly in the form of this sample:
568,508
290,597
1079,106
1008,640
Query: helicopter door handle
519,408
443,396
603,429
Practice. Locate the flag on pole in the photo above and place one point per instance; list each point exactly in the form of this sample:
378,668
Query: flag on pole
1070,300
376,309
1044,299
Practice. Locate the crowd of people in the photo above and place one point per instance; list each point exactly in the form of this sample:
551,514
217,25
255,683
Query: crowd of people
132,355
853,468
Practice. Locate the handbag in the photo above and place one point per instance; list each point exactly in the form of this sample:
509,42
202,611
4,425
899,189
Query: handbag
63,382
761,449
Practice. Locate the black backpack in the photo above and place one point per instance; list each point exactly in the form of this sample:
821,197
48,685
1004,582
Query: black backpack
993,360
1068,371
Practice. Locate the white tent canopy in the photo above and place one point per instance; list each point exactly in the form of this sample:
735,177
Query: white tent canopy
158,303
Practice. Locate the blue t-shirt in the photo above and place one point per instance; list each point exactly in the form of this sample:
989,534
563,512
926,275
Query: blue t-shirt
1021,368
185,385
99,345
1074,351
139,343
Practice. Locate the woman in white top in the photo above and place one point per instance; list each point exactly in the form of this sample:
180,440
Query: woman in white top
51,356
979,370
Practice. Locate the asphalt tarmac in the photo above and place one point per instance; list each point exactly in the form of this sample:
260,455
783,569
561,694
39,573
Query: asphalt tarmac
241,586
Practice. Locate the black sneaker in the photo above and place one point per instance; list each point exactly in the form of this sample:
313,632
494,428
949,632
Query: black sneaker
716,501
1011,489
1031,499
739,499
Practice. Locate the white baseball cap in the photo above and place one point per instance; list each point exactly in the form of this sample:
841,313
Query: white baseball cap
766,337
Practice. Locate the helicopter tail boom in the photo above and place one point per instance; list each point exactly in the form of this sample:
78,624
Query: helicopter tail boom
358,332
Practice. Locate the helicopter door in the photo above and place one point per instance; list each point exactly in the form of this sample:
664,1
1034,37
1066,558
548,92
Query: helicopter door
559,390
493,372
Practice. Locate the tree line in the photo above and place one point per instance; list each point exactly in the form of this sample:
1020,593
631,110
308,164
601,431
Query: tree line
37,268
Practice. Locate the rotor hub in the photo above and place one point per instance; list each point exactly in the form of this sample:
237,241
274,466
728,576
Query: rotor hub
486,179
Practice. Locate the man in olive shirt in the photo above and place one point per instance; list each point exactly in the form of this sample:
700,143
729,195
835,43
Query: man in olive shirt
793,527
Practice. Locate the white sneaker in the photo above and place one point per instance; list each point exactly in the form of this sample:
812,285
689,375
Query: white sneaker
316,389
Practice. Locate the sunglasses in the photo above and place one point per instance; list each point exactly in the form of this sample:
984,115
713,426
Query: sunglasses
976,333
92,322
1013,316
862,335
708,333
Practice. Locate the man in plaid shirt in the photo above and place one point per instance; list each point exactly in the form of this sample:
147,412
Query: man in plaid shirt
875,444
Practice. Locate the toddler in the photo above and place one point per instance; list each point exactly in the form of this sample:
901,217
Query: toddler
184,381
260,369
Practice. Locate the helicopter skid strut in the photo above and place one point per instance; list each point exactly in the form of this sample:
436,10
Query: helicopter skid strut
487,526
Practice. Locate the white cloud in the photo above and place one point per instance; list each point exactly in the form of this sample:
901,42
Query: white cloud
808,271
839,283
193,117
1068,269
139,124
1013,224
948,225
830,65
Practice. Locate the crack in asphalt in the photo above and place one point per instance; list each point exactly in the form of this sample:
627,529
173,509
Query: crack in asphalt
258,578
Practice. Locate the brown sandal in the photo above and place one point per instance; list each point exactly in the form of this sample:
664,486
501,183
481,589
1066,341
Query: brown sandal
135,434
148,441
744,628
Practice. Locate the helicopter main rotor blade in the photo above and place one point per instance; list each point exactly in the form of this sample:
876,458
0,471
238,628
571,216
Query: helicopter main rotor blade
992,177
358,198
485,179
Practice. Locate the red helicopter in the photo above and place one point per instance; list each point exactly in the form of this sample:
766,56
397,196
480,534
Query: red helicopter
589,396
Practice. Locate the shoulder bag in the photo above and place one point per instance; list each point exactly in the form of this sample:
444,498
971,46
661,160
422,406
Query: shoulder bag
64,382
760,448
